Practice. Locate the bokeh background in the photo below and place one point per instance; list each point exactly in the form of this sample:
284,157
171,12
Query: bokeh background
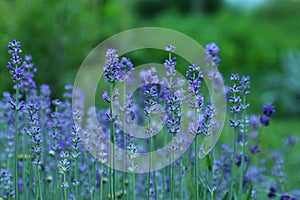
259,38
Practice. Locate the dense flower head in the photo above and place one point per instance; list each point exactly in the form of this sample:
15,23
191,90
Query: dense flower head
254,149
268,110
64,164
28,83
245,85
170,48
272,192
14,47
114,69
212,51
170,65
264,120
15,65
6,184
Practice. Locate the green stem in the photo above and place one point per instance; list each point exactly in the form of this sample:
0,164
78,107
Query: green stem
65,189
172,172
235,132
181,179
16,144
76,177
112,157
196,169
154,173
124,174
101,187
150,160
233,162
240,193
133,186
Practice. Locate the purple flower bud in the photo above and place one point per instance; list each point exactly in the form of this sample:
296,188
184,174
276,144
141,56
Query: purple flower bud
268,110
170,48
106,97
264,120
254,149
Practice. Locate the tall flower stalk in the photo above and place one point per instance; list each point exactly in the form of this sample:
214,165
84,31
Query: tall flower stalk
194,76
17,69
235,109
37,140
244,90
113,71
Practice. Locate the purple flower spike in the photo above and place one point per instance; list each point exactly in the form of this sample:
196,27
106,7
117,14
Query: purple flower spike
212,51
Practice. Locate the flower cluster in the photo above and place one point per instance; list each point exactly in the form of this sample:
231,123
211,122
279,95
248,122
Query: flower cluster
212,51
268,112
115,69
15,65
6,184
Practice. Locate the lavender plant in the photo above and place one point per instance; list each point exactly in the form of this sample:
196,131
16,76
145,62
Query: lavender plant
52,161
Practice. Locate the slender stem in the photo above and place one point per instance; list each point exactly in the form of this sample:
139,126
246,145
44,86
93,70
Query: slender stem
112,157
94,178
154,173
65,189
16,143
181,178
150,160
165,169
76,178
196,169
172,171
124,174
101,187
240,193
133,186
37,183
233,160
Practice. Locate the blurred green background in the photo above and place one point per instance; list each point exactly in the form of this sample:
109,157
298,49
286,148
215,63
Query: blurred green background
257,37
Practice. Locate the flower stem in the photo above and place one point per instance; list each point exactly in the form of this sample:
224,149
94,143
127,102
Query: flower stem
65,189
16,144
133,186
124,174
196,169
240,193
150,160
233,162
112,157
101,187
76,178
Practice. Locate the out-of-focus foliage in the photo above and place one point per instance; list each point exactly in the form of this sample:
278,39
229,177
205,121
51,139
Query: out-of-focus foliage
59,34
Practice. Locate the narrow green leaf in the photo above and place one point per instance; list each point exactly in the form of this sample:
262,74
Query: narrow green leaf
249,193
225,196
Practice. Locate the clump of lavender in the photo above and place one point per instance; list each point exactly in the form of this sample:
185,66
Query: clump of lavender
6,185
